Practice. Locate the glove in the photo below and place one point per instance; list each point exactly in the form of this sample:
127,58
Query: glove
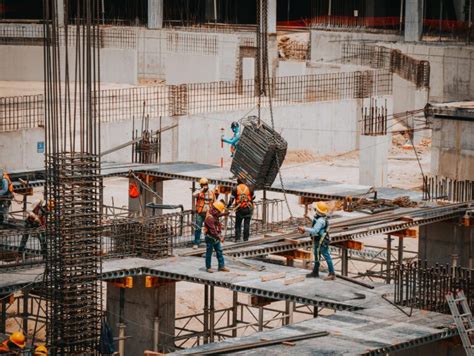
301,229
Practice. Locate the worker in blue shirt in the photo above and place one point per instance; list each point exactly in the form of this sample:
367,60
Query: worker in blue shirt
235,138
319,233
6,195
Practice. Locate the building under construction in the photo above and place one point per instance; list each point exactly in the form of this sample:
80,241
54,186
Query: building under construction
116,115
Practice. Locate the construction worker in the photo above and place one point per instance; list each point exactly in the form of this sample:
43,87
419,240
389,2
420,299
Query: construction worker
319,233
6,195
37,218
242,197
235,127
14,344
204,200
41,350
214,238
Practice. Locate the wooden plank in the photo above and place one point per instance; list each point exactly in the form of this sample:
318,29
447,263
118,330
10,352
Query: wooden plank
272,277
294,280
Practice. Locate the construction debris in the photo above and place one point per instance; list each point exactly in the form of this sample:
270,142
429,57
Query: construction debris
260,153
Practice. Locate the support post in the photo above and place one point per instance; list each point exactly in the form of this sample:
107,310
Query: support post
264,208
315,311
345,261
289,312
25,312
206,314
61,13
389,258
156,328
235,299
290,262
400,249
260,318
121,342
155,14
212,315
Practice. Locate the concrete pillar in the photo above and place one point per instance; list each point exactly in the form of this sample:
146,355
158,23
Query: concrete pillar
413,20
373,157
138,205
155,14
211,11
60,12
141,307
272,17
438,242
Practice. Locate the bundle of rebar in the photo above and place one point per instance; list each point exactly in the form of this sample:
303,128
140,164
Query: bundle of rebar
73,182
259,155
424,286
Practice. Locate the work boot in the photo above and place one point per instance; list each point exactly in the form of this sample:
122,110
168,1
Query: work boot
224,269
195,247
330,277
314,274
210,270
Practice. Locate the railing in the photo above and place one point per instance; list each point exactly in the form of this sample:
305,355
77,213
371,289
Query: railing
420,286
190,99
392,60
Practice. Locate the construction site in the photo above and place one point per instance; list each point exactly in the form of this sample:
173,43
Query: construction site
206,177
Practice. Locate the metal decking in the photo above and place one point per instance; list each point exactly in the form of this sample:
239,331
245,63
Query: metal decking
189,171
376,331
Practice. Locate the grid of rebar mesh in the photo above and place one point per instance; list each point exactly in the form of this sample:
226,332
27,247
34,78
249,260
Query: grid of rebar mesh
188,99
21,112
447,189
189,42
392,60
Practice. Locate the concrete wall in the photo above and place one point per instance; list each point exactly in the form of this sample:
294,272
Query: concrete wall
452,69
452,149
326,45
439,242
322,127
25,63
19,149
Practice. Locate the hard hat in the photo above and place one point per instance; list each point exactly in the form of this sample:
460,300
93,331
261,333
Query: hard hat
234,125
219,206
203,181
133,191
41,350
18,338
321,207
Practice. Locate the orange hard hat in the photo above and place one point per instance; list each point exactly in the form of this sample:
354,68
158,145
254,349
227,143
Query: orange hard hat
18,338
220,206
41,350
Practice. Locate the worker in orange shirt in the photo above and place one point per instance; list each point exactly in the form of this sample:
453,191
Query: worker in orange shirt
242,198
204,200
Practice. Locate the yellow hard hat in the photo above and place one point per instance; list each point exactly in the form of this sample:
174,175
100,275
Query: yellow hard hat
203,181
219,206
18,338
321,207
41,350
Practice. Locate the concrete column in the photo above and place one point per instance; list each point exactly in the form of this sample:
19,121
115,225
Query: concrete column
155,14
211,10
140,309
373,157
413,20
60,12
272,17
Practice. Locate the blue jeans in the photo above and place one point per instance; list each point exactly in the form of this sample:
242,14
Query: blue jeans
213,244
321,247
198,221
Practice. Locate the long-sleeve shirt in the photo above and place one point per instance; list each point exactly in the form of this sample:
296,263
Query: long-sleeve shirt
234,140
212,225
319,227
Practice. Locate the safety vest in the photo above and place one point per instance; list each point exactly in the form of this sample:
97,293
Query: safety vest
10,185
133,191
244,197
204,201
